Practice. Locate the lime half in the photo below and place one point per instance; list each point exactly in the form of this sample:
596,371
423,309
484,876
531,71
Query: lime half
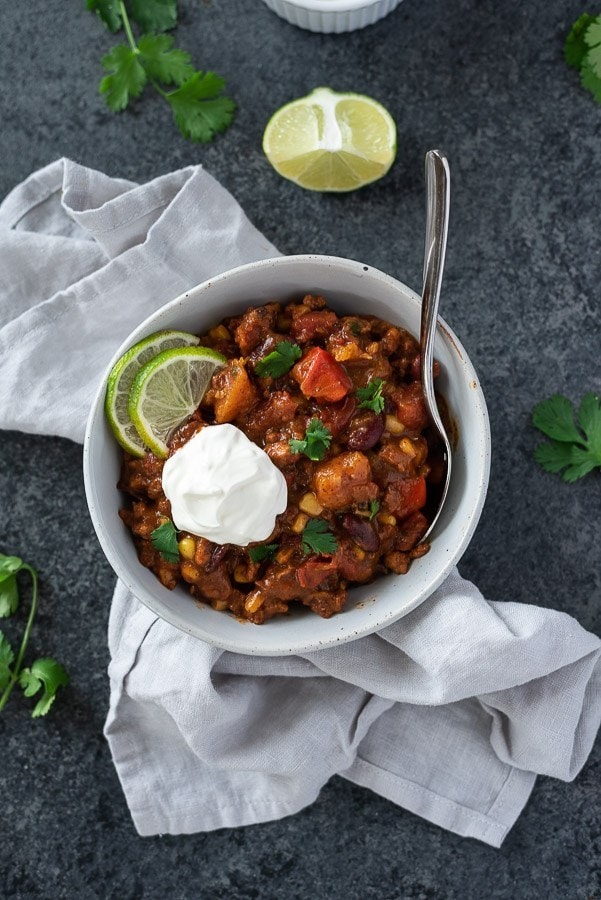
167,390
122,377
328,141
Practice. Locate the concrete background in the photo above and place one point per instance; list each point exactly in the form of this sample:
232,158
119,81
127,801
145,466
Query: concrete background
486,82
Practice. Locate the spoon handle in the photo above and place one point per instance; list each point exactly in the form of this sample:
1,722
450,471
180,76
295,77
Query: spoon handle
437,224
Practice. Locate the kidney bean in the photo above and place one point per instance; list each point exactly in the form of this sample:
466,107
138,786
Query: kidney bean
362,533
216,557
365,430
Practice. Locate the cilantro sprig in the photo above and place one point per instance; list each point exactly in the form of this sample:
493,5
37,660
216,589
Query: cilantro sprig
197,102
44,674
262,552
575,446
317,538
164,539
374,506
582,51
370,397
279,361
316,442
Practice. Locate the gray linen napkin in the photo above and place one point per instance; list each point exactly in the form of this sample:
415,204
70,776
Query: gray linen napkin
450,712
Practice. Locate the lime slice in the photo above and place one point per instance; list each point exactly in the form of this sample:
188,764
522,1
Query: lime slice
167,390
122,376
331,142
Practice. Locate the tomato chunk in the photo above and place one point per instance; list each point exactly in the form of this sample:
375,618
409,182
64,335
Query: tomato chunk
406,496
320,376
410,406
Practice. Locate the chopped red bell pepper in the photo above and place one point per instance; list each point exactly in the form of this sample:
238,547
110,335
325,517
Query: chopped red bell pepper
311,573
406,496
320,376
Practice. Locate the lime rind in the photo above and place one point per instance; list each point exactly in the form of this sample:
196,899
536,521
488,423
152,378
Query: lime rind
121,378
167,390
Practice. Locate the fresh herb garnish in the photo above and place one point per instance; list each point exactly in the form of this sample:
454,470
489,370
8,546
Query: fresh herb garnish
574,447
374,506
356,328
316,443
262,552
279,361
370,397
164,539
199,108
45,672
318,539
582,51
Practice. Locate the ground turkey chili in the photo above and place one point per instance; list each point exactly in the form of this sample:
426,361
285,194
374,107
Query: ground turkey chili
351,399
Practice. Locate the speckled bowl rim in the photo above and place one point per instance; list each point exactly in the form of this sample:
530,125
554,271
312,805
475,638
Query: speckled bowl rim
373,606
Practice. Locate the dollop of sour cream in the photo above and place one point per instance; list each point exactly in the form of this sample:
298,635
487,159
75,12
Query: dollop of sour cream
224,488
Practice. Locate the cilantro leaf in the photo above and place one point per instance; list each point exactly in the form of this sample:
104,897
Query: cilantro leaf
164,539
162,62
199,110
108,11
126,78
262,551
316,538
590,422
374,506
279,361
316,443
9,566
9,596
576,452
590,81
46,673
592,39
370,397
575,46
154,15
6,659
555,418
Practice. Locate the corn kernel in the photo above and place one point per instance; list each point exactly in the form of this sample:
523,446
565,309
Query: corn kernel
393,425
299,523
358,553
387,519
240,573
254,601
187,547
283,555
220,333
408,447
219,605
310,504
189,572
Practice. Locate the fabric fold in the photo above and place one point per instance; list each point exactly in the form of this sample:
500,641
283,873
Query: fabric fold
450,712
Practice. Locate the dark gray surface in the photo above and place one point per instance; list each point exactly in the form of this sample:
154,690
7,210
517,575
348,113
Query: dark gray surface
486,82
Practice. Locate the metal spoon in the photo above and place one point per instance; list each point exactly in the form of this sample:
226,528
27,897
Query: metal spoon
437,222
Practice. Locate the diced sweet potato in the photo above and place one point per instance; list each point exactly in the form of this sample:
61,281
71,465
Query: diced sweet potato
233,393
344,480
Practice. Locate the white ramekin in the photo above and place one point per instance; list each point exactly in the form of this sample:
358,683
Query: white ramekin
332,16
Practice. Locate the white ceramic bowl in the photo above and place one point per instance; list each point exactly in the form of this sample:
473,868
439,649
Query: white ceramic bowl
332,16
349,287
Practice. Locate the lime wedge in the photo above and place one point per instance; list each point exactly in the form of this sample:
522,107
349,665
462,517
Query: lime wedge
122,376
167,390
328,141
